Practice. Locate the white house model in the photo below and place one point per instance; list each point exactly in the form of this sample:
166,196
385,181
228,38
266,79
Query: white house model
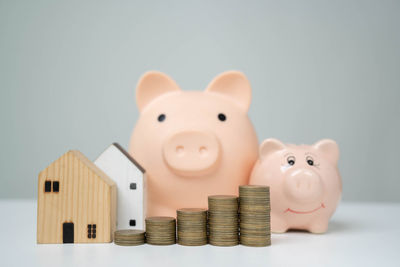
130,179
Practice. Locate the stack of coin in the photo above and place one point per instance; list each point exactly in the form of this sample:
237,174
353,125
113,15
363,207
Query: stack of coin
254,215
192,227
160,230
223,220
129,237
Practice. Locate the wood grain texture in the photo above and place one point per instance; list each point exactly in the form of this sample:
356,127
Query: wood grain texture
86,196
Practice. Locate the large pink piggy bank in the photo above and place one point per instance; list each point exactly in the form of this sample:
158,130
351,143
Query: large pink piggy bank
304,182
192,143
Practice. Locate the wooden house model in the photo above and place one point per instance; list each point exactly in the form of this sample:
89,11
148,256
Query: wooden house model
76,202
131,186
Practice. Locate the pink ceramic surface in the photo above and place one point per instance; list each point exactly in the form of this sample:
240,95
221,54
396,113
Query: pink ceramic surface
304,182
193,143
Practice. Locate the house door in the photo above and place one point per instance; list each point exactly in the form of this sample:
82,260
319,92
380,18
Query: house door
68,232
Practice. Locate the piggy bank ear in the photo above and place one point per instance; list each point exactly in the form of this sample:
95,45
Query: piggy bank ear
234,85
329,148
151,85
270,146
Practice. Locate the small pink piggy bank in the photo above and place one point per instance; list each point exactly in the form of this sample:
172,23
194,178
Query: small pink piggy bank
305,183
193,143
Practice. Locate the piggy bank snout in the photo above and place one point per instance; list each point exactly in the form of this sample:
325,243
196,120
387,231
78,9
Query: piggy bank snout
191,153
304,186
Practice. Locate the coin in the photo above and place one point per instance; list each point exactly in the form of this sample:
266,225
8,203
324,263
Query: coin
254,215
192,226
129,237
161,230
223,223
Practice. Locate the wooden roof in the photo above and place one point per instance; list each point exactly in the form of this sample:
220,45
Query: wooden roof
90,165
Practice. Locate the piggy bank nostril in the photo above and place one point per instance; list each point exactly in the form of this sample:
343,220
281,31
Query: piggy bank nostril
180,150
203,150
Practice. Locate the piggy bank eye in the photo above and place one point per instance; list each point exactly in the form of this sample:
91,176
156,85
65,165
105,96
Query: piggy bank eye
221,117
291,160
161,117
310,161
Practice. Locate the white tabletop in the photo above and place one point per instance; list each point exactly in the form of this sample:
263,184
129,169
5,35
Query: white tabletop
364,234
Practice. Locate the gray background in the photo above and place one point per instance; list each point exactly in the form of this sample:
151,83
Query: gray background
318,69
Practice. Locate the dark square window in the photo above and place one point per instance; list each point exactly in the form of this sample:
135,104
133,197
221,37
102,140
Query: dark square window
56,186
132,222
132,186
47,186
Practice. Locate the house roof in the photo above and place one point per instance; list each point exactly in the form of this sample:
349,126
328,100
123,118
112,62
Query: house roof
126,154
90,165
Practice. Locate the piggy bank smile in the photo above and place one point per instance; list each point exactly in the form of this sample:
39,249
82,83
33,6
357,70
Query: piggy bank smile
304,187
305,212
